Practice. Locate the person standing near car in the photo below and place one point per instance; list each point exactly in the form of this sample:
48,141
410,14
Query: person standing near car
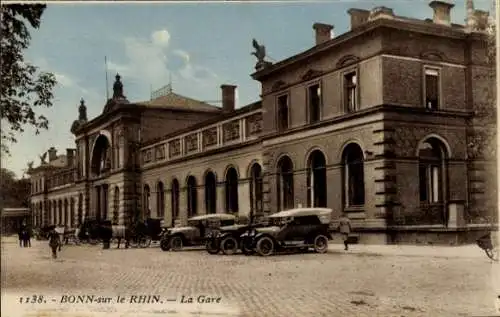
345,229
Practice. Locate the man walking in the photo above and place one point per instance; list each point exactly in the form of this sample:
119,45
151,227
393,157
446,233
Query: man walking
54,242
345,229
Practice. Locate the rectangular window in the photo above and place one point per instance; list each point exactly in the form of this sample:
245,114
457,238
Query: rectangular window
350,91
314,96
431,88
283,112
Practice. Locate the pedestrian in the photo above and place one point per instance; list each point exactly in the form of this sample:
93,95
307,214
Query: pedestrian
60,231
345,229
20,235
27,237
54,241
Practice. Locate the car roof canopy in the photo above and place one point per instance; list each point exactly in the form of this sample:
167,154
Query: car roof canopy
213,216
323,213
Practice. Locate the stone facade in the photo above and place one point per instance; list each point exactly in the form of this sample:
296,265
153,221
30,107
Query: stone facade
382,123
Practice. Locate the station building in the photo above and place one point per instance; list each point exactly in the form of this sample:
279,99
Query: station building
392,122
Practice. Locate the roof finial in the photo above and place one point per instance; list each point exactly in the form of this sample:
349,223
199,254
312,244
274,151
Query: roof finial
82,111
118,88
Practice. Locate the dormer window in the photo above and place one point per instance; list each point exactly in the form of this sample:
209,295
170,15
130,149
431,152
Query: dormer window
283,113
351,91
431,88
314,103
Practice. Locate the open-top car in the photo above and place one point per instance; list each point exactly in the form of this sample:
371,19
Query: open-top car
196,231
299,229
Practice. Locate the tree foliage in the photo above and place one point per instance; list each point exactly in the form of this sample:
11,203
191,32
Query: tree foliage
13,192
23,87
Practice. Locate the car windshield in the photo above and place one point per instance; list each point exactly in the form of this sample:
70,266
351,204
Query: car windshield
193,223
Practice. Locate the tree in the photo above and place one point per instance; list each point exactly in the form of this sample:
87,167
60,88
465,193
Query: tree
23,86
13,192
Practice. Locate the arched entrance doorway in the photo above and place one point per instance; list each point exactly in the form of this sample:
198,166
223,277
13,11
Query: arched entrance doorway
232,191
284,183
316,180
175,200
210,193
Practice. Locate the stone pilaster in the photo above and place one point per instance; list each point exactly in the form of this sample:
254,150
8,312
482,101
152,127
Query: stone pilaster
183,216
168,209
221,198
244,198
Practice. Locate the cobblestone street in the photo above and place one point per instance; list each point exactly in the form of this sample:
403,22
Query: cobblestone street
334,284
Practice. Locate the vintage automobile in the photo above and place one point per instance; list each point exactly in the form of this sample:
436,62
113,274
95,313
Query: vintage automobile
196,231
227,239
297,229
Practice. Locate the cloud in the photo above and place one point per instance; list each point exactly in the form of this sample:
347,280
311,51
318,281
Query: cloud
183,54
151,61
161,38
64,80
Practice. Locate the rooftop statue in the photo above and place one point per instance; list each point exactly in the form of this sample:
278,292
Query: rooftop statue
260,53
42,158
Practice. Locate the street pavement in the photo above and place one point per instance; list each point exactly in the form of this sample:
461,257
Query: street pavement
364,281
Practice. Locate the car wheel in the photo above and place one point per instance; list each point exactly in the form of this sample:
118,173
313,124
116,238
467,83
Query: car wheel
321,244
229,246
265,246
165,244
176,243
212,247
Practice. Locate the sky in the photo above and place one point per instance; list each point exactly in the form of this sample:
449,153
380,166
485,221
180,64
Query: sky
200,46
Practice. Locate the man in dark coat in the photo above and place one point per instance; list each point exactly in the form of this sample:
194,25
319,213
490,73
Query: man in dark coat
54,241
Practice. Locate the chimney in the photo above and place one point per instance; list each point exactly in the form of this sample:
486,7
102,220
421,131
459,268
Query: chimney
52,154
70,157
323,32
358,17
441,12
481,19
228,97
381,12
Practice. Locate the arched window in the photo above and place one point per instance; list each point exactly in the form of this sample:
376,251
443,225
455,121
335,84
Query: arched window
160,200
48,218
101,155
431,156
256,202
316,180
116,204
354,178
175,200
284,183
192,195
71,212
66,213
80,209
231,191
60,215
146,197
210,193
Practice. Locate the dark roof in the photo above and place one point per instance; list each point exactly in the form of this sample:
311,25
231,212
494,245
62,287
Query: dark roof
176,101
223,116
